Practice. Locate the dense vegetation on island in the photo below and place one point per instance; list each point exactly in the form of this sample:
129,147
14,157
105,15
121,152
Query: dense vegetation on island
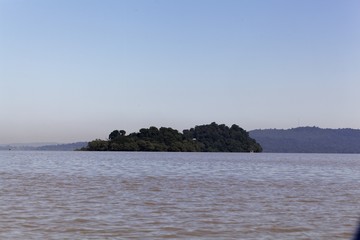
308,140
204,138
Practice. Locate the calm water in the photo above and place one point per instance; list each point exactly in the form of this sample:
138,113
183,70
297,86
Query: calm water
87,195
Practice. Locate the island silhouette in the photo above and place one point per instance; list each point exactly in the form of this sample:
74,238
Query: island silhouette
204,138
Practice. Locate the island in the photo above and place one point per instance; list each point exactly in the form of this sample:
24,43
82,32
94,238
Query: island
204,138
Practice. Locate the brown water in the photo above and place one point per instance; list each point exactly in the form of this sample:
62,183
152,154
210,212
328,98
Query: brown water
85,195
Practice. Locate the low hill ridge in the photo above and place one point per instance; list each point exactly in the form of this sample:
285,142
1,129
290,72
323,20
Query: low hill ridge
308,140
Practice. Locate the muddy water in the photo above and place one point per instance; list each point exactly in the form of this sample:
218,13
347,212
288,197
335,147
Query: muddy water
87,195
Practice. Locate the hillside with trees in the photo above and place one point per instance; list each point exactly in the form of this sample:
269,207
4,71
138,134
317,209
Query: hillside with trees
308,140
204,138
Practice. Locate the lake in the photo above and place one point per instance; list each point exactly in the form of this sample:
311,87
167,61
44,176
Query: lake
120,195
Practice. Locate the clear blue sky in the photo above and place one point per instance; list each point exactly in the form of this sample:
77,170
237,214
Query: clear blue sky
77,69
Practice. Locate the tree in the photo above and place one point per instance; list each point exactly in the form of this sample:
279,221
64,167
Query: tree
114,134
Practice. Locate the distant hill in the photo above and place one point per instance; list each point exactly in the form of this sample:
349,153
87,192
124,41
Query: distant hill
47,147
62,147
308,140
5,147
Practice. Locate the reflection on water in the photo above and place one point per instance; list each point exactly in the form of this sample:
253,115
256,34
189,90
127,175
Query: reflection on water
84,195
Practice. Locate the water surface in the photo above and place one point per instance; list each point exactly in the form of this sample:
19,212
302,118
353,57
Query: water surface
103,195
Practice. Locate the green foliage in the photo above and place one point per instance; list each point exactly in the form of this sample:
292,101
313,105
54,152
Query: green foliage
98,145
204,138
116,134
220,138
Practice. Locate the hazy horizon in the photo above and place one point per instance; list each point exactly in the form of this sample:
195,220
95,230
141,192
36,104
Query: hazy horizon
76,70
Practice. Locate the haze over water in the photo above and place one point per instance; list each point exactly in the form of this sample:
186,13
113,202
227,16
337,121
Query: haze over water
87,195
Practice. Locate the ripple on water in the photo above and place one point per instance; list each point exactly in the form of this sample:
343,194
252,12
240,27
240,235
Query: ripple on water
154,196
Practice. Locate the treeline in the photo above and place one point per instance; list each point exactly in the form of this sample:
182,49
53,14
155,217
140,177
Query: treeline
205,138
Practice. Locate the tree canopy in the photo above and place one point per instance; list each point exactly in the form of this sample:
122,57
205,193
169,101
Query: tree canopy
204,138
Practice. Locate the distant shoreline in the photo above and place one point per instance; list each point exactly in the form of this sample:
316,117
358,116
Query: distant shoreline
294,140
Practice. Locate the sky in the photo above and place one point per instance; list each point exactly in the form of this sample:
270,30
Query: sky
74,70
